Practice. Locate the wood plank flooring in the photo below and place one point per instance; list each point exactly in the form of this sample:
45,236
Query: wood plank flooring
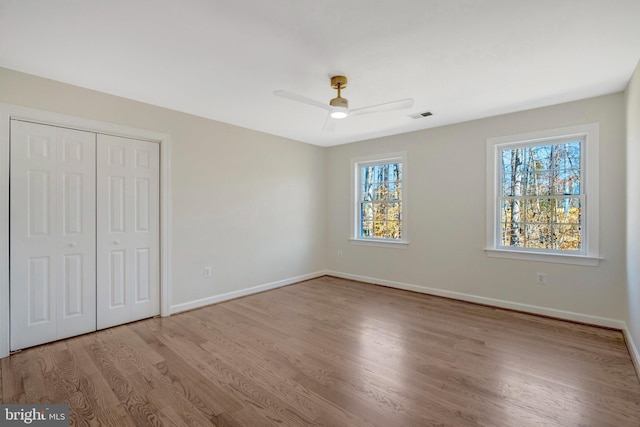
333,352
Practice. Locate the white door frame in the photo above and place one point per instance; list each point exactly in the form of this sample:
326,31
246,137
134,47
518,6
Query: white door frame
8,112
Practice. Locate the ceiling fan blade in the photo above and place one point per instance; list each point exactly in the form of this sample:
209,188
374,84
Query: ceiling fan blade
300,98
329,124
387,106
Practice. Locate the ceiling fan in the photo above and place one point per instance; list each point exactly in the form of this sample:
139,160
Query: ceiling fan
338,107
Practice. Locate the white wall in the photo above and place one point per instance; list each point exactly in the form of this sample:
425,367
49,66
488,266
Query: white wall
446,214
633,210
250,205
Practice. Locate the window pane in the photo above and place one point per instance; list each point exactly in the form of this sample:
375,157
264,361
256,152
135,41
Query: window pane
380,211
511,235
573,154
367,183
569,210
531,210
367,193
367,229
505,232
568,155
380,229
540,210
381,191
567,181
505,161
537,236
567,237
539,182
505,208
394,229
366,211
395,190
513,210
373,174
541,157
394,211
507,187
365,176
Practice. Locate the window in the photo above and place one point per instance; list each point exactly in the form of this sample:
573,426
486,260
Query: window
543,196
380,199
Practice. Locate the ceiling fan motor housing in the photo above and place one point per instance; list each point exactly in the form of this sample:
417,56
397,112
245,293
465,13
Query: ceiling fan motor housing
339,102
339,83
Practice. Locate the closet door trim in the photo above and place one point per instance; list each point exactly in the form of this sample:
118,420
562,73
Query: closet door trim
10,112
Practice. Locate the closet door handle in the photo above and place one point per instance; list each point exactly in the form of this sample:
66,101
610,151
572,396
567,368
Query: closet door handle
72,244
116,242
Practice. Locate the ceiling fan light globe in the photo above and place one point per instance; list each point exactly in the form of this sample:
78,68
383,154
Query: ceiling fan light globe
339,112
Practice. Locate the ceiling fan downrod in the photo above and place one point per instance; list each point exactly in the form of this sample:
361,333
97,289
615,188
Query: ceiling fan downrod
339,83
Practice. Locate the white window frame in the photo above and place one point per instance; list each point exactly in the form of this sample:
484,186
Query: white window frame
589,255
356,165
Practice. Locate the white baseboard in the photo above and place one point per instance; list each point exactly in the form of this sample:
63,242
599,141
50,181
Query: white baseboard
177,308
544,311
633,349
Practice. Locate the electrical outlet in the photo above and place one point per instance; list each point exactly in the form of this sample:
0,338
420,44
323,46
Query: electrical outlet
541,278
207,272
340,254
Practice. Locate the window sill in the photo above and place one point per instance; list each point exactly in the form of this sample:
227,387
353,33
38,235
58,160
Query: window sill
542,257
396,244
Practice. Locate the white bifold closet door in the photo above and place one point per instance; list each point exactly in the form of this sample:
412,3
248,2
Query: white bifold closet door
127,230
52,233
84,232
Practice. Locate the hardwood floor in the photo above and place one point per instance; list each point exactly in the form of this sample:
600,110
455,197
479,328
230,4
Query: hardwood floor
337,353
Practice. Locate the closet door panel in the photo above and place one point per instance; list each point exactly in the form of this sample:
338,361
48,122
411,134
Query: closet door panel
38,210
128,230
76,280
74,304
40,304
52,233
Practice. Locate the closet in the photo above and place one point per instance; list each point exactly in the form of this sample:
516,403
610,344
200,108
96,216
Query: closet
84,232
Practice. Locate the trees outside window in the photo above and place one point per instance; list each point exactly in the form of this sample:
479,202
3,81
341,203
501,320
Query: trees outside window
380,198
542,198
381,201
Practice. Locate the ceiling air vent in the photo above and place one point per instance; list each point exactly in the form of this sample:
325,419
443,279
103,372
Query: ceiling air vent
421,115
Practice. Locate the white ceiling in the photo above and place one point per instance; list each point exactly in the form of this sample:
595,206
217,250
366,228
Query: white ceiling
222,59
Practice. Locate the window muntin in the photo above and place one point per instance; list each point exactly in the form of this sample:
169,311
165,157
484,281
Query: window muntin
541,201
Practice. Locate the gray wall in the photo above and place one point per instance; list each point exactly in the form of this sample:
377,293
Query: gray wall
250,205
633,208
